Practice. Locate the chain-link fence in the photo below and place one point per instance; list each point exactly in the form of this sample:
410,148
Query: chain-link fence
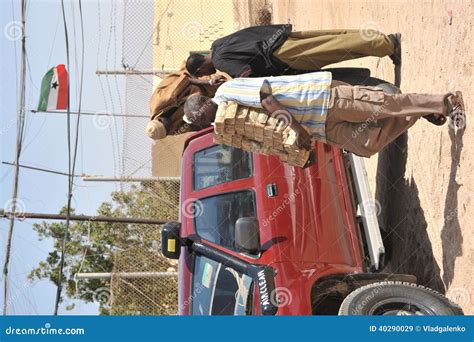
158,36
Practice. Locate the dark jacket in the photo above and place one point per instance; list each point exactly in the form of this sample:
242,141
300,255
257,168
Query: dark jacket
249,52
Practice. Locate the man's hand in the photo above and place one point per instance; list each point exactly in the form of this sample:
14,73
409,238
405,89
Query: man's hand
276,110
303,138
217,80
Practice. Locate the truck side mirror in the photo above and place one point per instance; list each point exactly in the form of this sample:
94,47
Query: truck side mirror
170,240
247,237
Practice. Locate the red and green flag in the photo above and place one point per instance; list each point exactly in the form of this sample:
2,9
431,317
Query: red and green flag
54,89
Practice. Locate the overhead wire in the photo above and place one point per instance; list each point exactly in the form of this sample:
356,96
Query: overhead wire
72,155
18,149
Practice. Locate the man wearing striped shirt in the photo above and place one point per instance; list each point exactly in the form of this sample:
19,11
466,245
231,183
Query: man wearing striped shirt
359,119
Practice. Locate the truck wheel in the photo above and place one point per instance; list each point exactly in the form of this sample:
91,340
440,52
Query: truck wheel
397,298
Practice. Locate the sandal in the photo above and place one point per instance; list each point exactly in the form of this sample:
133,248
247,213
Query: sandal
457,115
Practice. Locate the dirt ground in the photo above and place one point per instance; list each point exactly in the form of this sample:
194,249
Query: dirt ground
423,181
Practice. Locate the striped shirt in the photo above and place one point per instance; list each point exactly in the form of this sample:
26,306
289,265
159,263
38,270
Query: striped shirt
305,96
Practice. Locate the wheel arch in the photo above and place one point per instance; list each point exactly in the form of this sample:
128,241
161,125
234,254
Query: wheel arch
327,293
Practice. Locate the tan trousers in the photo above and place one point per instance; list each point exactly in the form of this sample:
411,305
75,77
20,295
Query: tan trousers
312,50
363,119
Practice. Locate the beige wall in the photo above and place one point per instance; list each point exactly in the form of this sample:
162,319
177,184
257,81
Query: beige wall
183,26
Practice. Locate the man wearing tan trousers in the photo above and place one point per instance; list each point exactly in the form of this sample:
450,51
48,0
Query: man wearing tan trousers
359,119
275,50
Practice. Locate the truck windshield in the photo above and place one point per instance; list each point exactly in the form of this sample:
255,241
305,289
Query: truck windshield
219,164
216,223
219,290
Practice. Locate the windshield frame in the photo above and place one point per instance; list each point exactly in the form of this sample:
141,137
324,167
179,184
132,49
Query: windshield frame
249,298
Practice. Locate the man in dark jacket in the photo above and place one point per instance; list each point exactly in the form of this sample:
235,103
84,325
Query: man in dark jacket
274,49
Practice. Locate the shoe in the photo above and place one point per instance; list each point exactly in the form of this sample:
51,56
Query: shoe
457,115
396,56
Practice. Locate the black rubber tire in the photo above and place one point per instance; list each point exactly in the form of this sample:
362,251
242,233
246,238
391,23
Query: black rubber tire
385,297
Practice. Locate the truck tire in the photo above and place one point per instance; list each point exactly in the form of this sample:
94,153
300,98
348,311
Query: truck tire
397,298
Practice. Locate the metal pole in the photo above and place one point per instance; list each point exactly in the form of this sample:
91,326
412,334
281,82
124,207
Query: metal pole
126,275
22,216
160,73
99,113
19,138
129,179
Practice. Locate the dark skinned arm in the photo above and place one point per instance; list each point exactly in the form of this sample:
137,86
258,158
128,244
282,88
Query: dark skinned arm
275,109
217,80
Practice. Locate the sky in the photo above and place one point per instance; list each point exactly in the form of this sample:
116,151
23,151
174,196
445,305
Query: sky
45,143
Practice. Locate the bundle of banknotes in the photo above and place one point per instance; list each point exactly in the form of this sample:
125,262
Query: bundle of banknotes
254,130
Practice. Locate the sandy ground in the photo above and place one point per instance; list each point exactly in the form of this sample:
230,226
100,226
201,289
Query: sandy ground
423,181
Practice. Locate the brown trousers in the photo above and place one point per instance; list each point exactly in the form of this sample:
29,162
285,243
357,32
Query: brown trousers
312,50
364,119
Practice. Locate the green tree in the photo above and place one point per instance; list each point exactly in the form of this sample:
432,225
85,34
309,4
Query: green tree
97,247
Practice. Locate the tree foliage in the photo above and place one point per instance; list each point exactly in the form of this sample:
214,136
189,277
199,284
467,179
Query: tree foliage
93,246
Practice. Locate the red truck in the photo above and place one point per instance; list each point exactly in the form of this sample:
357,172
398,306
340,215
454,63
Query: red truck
257,236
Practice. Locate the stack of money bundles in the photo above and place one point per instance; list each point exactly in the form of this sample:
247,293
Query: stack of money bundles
254,130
